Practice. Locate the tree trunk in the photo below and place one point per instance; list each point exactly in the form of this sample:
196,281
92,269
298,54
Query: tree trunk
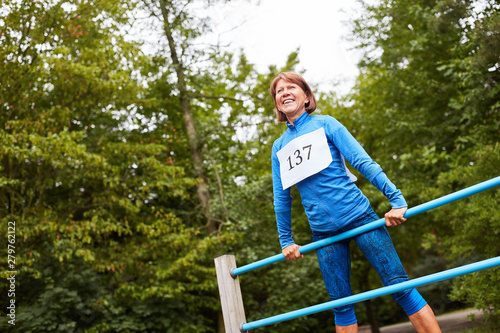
371,317
370,314
193,138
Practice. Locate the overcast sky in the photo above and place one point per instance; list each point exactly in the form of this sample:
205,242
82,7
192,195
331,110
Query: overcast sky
268,32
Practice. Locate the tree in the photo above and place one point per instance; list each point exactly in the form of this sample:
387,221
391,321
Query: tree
181,28
93,193
426,105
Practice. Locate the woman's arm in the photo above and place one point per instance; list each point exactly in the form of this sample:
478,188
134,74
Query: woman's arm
282,204
359,159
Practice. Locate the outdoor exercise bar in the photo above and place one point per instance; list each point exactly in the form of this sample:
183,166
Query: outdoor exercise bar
448,274
494,182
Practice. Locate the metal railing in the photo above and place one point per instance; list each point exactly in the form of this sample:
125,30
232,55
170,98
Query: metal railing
227,272
448,274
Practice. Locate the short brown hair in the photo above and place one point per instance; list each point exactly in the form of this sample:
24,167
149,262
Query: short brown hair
298,80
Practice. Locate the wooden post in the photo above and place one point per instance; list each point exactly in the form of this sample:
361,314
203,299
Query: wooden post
230,294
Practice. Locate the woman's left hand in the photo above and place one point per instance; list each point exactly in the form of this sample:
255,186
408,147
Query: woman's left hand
395,216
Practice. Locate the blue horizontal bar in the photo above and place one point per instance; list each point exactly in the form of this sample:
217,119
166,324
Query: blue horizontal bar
448,274
494,182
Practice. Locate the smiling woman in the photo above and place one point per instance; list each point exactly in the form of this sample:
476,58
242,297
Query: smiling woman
292,96
291,99
310,154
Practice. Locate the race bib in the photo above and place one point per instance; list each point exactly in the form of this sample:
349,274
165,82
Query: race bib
303,157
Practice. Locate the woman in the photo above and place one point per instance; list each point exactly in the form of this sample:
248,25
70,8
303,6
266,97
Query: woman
310,155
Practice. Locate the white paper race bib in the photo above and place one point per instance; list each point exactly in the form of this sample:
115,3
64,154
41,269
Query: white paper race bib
303,157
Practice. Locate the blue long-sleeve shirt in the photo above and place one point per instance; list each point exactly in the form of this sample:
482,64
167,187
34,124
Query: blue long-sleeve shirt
330,198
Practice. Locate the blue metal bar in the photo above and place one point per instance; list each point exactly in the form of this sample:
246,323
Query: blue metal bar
451,273
494,182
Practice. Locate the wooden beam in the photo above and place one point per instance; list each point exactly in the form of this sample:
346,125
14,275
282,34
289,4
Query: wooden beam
230,294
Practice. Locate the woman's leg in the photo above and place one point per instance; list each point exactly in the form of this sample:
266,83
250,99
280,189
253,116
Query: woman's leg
424,321
378,248
335,264
347,329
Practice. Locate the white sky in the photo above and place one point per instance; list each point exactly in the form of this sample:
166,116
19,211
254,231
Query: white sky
268,32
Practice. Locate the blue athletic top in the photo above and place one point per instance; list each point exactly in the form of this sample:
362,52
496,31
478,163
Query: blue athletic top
330,198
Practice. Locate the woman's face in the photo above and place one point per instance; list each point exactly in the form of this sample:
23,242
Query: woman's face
290,99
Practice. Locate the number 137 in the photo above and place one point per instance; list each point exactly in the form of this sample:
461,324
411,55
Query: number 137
298,158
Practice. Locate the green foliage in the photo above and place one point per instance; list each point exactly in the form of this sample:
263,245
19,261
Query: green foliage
474,229
97,200
426,108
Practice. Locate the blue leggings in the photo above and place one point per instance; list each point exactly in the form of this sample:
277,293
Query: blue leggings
335,264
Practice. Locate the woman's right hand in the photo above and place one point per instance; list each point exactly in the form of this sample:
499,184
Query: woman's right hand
291,252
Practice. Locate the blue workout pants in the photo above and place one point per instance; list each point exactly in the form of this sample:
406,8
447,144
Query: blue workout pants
376,245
